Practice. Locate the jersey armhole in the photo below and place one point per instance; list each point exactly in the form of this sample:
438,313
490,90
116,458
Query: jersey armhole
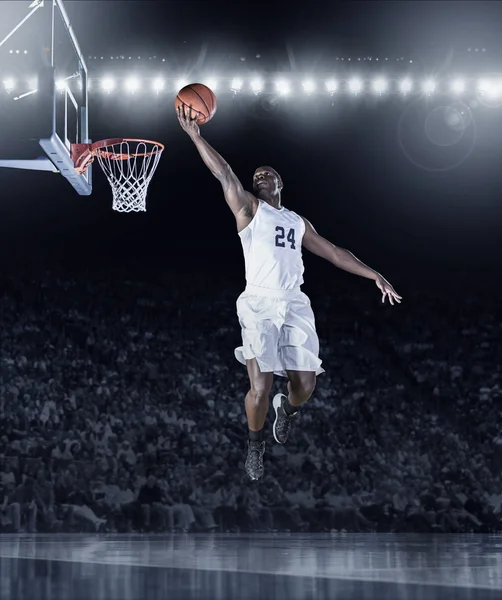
252,219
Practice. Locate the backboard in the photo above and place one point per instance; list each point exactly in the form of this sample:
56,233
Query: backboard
55,100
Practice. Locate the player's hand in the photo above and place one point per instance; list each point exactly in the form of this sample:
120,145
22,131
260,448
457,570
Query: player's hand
387,290
188,120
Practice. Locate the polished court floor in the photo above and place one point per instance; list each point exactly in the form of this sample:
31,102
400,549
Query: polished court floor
249,567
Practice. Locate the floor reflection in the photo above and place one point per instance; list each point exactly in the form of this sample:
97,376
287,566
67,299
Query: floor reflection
249,567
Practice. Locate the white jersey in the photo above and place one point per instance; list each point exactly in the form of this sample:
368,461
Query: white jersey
272,245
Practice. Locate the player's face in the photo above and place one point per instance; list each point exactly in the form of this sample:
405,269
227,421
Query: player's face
265,180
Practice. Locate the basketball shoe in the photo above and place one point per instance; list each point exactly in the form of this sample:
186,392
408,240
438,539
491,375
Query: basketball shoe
254,461
283,421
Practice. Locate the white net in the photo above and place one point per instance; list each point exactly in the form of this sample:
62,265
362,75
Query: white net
129,166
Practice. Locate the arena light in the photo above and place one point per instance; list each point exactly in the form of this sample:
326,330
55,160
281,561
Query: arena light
132,84
181,83
496,89
405,86
212,83
429,86
283,87
489,87
355,85
458,86
308,86
236,84
108,84
257,85
331,86
380,85
60,85
9,84
158,84
483,85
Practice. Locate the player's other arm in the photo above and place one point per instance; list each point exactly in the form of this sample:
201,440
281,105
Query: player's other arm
341,258
237,198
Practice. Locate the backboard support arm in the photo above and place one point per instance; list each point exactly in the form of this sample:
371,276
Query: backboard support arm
36,5
57,148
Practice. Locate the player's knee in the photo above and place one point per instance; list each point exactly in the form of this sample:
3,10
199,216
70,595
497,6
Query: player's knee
304,387
259,394
308,389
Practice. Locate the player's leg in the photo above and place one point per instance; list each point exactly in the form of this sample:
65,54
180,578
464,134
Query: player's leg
299,358
257,399
257,404
301,385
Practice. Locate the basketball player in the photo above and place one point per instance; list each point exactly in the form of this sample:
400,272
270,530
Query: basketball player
278,327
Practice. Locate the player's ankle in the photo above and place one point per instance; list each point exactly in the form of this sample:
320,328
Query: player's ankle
289,409
256,436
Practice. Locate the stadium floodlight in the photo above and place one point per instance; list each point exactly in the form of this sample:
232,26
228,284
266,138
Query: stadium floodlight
380,85
405,86
308,86
60,85
9,84
489,87
211,83
181,83
458,86
108,84
331,86
355,85
429,86
158,84
236,84
283,87
483,85
257,85
132,84
495,89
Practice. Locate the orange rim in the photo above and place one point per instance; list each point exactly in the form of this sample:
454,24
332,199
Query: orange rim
104,148
83,154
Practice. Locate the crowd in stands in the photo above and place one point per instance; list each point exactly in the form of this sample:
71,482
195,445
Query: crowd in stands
121,410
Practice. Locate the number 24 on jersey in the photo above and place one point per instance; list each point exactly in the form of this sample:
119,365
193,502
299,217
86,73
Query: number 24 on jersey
281,234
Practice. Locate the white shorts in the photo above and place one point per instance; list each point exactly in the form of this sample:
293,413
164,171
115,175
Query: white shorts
278,329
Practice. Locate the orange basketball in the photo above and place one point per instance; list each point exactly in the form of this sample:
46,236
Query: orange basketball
201,100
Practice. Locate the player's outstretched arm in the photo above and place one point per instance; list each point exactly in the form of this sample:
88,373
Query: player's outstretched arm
237,198
343,259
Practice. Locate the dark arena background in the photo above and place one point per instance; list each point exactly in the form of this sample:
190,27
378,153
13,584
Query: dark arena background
123,430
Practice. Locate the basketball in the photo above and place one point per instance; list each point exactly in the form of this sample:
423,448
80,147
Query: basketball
200,98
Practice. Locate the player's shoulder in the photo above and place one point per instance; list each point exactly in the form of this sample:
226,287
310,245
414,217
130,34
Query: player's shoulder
298,215
304,222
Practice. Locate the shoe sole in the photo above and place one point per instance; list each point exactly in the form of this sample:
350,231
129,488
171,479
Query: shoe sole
276,403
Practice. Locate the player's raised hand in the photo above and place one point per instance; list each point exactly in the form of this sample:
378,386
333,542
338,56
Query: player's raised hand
387,290
188,120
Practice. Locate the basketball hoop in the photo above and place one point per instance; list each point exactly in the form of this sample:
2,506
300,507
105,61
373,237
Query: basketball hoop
128,164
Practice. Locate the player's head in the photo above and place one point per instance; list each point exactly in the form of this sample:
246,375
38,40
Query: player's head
267,180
